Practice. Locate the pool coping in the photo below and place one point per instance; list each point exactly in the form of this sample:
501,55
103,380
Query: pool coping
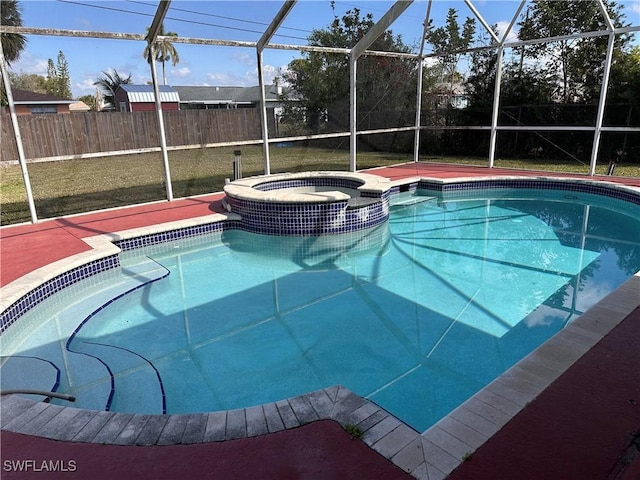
244,188
102,246
431,454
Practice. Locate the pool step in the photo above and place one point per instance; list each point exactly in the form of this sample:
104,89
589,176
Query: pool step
403,200
85,370
145,271
359,202
42,374
137,386
101,294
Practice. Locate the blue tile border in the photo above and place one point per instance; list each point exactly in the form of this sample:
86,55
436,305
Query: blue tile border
48,288
303,218
473,186
268,185
175,234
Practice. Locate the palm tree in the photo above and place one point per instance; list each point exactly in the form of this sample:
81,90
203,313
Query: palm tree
90,101
109,83
12,43
164,49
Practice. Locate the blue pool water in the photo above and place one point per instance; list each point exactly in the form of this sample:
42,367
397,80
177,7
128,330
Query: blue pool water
417,315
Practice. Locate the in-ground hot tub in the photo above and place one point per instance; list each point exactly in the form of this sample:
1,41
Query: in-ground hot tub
309,203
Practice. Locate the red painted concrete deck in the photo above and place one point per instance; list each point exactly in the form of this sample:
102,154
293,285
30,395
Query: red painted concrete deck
24,248
586,425
320,450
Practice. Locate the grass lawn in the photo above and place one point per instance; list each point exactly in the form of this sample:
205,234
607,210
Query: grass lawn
74,186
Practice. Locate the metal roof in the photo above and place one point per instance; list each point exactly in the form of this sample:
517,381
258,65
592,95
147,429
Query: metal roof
144,93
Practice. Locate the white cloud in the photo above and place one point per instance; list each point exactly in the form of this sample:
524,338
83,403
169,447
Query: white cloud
502,28
430,62
180,72
244,58
270,69
541,317
139,79
225,79
270,72
27,63
247,79
635,7
591,294
86,86
85,23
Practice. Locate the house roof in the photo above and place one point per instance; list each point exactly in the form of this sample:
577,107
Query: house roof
456,88
236,95
79,107
24,97
145,94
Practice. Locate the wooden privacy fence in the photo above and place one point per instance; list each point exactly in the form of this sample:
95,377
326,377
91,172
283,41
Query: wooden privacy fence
92,132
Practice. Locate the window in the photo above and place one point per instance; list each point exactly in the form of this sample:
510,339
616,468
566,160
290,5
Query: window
43,109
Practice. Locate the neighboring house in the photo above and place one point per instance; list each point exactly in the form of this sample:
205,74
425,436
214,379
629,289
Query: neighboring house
79,106
201,98
32,103
141,98
454,95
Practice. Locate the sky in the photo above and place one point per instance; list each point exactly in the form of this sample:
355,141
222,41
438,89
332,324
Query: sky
239,20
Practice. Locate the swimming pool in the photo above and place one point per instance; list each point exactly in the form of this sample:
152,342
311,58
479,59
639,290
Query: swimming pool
409,349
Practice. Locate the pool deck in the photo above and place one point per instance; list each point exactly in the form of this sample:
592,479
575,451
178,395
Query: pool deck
585,424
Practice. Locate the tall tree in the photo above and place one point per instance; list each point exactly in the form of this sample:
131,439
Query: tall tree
30,82
319,81
164,51
449,41
623,100
63,76
578,62
481,81
625,78
521,84
108,84
12,43
51,77
58,82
